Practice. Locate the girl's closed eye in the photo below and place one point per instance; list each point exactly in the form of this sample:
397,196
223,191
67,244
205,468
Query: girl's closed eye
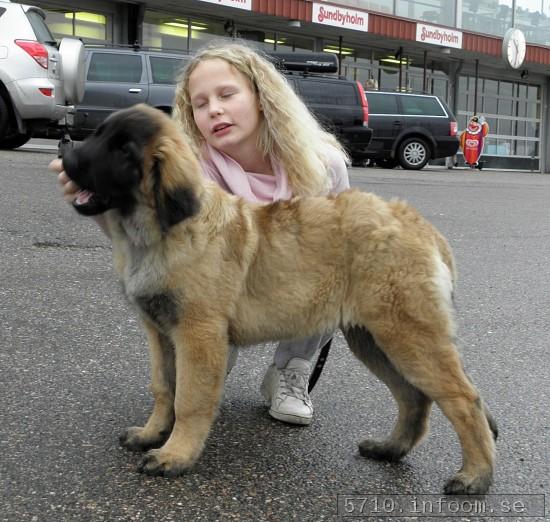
199,104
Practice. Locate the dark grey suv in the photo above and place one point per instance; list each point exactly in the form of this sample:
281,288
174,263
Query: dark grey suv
340,106
410,129
117,78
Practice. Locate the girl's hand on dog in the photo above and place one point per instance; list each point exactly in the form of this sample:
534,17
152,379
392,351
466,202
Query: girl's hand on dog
69,188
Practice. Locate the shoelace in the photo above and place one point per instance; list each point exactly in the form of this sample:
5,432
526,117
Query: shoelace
294,384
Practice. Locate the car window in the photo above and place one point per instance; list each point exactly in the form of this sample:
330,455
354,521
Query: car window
123,68
166,70
382,103
329,93
291,82
2,10
41,31
420,105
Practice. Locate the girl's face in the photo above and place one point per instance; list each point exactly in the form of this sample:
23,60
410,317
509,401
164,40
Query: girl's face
225,107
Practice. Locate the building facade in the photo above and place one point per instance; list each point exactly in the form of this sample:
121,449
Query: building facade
461,50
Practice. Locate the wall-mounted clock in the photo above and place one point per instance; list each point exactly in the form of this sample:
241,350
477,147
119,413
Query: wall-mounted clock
514,47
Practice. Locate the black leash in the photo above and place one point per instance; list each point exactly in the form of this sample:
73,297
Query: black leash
318,368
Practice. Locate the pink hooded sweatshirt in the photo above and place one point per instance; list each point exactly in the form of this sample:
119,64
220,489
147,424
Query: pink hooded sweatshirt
262,188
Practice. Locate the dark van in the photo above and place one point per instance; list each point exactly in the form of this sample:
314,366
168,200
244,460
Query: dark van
117,78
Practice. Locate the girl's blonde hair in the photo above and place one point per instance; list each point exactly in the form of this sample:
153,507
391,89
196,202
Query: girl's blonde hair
289,132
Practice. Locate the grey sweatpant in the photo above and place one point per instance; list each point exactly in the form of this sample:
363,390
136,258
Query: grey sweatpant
286,350
302,348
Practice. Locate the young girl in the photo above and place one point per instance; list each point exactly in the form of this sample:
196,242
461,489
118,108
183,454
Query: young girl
257,139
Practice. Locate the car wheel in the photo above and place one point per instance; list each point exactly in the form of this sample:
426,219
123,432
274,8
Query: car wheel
413,153
14,141
4,118
386,163
358,162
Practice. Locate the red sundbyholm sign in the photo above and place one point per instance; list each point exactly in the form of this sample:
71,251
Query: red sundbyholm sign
239,4
438,36
340,17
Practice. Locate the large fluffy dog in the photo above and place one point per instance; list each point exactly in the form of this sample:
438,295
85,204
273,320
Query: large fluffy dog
205,269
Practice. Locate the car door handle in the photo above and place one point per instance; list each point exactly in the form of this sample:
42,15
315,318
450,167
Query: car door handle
134,91
397,123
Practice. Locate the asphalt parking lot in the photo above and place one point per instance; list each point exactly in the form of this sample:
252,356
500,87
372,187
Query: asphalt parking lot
74,369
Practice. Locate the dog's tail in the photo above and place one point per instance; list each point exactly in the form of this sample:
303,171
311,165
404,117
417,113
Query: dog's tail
407,214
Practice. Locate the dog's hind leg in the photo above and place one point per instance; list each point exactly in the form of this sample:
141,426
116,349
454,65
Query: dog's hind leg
425,355
159,426
414,406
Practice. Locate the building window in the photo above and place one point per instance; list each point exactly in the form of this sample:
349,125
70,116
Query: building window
513,111
382,6
181,33
380,70
361,67
92,28
286,42
487,16
432,11
534,21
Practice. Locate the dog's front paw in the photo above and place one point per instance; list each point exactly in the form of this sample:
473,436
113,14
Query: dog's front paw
162,463
462,484
138,439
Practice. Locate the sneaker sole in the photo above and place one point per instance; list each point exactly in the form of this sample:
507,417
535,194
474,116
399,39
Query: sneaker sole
291,419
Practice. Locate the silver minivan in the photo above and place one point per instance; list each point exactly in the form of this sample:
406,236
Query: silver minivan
40,81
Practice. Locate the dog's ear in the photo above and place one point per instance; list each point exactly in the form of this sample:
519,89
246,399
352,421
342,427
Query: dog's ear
173,206
128,160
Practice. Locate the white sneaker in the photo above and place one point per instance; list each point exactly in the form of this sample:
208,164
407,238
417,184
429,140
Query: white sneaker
286,391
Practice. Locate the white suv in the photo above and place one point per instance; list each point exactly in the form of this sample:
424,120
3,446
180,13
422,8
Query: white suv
40,81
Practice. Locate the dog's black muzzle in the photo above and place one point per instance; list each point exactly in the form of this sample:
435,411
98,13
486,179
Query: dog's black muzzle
88,202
